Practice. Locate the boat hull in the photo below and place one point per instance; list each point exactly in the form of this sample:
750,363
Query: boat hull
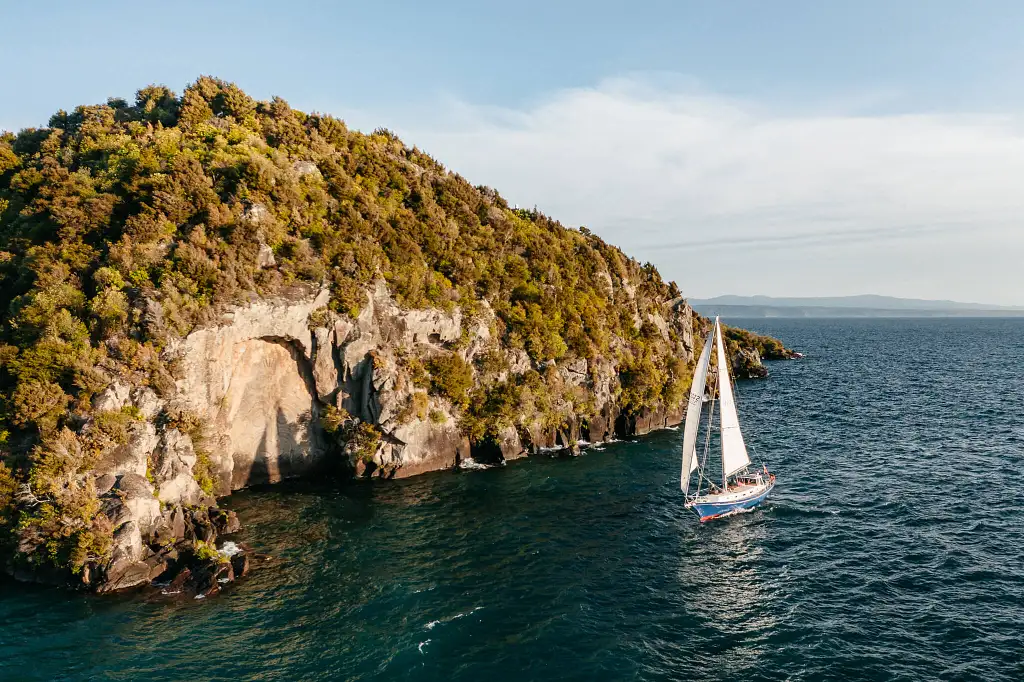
708,510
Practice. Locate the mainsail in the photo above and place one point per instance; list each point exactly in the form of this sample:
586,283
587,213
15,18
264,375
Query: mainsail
734,450
693,408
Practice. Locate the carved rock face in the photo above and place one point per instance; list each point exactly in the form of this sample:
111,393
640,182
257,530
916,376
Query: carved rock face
251,380
265,414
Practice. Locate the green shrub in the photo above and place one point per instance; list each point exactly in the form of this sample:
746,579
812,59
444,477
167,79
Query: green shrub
332,418
416,408
205,551
451,377
363,441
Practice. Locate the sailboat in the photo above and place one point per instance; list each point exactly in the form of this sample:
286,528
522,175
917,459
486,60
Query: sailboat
740,487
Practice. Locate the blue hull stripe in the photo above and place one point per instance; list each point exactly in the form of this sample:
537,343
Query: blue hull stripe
710,510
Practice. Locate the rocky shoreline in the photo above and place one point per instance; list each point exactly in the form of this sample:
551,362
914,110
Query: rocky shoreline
248,405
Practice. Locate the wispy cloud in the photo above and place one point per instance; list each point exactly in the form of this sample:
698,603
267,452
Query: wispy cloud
920,204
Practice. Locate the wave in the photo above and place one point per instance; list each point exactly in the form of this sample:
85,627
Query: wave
229,549
470,464
434,623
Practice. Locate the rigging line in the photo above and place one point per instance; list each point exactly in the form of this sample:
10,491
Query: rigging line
707,441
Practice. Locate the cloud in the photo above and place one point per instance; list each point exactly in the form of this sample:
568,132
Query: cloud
706,187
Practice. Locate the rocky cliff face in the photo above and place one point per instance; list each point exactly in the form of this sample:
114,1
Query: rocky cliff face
252,389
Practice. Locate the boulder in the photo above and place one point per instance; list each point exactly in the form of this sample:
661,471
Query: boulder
170,528
210,576
133,456
131,563
518,361
240,564
174,460
137,497
256,214
147,402
306,168
104,482
112,398
223,521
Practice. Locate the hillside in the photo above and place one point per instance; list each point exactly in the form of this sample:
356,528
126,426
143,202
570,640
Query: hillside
205,292
847,306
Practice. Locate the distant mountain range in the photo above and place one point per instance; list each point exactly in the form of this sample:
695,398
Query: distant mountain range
867,305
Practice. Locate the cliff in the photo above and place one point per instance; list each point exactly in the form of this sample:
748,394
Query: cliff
207,292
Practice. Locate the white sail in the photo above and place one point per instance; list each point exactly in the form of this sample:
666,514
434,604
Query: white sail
693,408
734,450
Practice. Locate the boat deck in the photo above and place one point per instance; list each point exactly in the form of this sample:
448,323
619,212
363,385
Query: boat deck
734,493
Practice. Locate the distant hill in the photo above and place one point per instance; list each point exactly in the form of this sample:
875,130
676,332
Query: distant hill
867,305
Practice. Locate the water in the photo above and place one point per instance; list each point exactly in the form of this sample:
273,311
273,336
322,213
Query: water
892,549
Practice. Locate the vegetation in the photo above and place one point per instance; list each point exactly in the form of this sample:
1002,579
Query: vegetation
768,347
206,551
124,225
451,377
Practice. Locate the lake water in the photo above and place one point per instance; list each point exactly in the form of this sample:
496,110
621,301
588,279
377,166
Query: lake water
893,549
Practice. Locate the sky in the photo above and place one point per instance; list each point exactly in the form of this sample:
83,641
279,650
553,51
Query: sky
780,148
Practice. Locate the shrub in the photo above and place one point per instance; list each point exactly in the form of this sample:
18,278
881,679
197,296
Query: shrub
416,408
363,441
451,377
332,418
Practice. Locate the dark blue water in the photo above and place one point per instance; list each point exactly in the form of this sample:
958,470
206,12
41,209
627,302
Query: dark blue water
892,550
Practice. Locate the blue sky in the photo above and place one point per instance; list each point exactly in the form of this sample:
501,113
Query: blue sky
815,147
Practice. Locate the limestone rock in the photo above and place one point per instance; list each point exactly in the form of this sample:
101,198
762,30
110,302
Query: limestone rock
147,402
126,568
746,364
306,168
427,446
431,326
112,398
325,372
518,361
575,372
265,257
256,213
137,496
175,458
660,324
104,482
133,456
510,444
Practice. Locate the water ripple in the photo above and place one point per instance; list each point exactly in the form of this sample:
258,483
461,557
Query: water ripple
891,550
